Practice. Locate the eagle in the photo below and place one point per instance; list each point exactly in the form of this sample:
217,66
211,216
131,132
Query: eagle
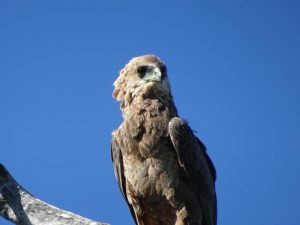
163,170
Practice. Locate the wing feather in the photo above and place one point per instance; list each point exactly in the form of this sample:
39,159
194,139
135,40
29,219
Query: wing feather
117,159
197,165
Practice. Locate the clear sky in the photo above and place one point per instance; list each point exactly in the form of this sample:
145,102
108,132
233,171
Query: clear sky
235,74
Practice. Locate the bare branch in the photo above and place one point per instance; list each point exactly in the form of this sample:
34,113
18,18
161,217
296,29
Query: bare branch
21,208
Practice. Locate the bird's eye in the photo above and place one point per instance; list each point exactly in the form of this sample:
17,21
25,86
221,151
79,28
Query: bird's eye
142,71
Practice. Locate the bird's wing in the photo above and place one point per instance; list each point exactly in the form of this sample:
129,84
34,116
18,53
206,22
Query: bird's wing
117,159
197,165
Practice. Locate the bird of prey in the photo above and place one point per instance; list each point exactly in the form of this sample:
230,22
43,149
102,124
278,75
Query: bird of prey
162,168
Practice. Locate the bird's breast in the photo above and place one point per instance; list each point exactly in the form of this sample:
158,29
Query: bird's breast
153,175
150,161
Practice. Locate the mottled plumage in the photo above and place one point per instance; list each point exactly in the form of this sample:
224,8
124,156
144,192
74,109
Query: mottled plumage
163,170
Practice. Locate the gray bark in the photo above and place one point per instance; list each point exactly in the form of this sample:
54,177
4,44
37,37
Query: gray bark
21,208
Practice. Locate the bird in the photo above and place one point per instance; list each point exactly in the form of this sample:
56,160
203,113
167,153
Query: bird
163,170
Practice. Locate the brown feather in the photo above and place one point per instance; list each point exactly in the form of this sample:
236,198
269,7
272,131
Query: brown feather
154,170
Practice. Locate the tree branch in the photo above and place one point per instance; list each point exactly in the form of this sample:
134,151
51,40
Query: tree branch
21,208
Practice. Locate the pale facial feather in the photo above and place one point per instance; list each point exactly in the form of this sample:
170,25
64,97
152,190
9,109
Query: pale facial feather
130,85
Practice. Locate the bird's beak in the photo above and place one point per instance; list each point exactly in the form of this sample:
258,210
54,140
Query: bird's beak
153,75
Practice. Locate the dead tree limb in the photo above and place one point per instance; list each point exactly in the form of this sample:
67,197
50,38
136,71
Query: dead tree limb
21,208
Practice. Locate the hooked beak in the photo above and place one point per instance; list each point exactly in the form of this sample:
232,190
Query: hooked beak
153,75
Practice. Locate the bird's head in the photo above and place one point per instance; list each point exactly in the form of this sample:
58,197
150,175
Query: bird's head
144,76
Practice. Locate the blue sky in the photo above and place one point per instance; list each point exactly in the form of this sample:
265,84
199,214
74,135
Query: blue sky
235,75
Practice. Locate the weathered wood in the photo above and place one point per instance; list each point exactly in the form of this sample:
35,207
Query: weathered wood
22,208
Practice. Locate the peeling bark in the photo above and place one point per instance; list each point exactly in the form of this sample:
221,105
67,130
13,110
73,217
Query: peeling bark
22,208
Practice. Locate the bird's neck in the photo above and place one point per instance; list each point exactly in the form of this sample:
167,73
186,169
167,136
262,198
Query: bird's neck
153,105
145,125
